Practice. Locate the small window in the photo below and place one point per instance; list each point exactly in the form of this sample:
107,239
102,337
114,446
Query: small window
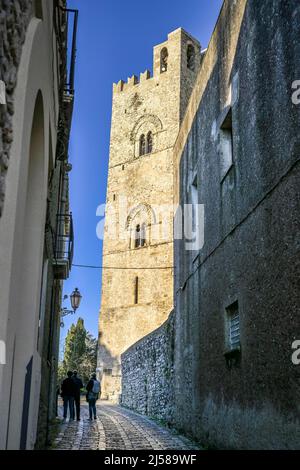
142,145
194,201
226,145
143,235
123,167
38,9
149,142
136,291
140,236
191,57
137,236
164,60
233,318
107,371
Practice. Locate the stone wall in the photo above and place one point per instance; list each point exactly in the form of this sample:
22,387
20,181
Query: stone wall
251,235
34,125
148,374
248,399
14,19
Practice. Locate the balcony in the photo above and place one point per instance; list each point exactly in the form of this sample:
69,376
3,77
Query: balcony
64,246
65,22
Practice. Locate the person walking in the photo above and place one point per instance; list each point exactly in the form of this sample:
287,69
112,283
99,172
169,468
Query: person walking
93,391
68,391
78,386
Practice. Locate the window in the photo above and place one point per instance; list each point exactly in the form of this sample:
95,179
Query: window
38,9
226,145
142,145
143,235
137,236
140,236
107,371
194,197
149,142
136,290
164,60
191,57
233,318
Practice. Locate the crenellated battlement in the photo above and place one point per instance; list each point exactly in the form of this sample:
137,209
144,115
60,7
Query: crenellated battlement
131,82
168,55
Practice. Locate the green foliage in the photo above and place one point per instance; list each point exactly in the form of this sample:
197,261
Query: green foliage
80,353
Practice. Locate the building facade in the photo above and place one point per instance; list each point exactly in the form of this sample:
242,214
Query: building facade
36,232
138,296
236,300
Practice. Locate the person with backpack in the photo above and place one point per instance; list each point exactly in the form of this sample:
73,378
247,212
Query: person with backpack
79,385
93,391
68,391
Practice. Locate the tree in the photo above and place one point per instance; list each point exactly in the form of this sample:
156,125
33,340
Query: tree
80,353
89,360
75,345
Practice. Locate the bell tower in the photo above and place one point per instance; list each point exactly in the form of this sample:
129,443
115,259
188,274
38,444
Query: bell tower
137,282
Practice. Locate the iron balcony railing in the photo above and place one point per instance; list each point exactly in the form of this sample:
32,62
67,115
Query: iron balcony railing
71,53
66,23
64,241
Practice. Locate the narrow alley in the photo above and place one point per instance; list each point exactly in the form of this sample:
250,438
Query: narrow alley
117,428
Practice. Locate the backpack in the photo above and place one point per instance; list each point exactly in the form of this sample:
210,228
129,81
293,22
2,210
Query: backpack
96,387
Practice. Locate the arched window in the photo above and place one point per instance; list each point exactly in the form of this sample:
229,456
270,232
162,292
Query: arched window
164,60
149,142
142,145
191,57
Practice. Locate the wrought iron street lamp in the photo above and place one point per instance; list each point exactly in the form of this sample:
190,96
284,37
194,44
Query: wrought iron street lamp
75,299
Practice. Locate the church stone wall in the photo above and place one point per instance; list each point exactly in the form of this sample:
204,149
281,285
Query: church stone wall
148,374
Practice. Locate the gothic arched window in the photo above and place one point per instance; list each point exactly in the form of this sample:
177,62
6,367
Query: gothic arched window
191,57
142,145
149,142
164,60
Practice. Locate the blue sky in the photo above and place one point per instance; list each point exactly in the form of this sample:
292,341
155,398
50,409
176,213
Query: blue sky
115,40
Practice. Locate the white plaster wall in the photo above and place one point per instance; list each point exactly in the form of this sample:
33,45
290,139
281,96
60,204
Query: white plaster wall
20,272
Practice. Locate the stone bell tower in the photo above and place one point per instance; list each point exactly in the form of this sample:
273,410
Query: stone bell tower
137,285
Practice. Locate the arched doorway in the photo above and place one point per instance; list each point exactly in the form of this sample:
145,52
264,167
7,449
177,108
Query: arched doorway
24,384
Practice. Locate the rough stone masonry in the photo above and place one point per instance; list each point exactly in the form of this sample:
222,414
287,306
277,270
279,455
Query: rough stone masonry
237,299
14,19
148,374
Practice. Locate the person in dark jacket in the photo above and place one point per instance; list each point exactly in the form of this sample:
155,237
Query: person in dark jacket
79,385
68,391
93,391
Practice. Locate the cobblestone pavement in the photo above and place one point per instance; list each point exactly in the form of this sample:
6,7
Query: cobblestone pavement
117,429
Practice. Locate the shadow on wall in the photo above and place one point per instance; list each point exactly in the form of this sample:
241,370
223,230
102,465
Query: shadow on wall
248,428
148,374
108,370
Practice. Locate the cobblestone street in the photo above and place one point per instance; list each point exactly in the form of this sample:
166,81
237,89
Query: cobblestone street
116,429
